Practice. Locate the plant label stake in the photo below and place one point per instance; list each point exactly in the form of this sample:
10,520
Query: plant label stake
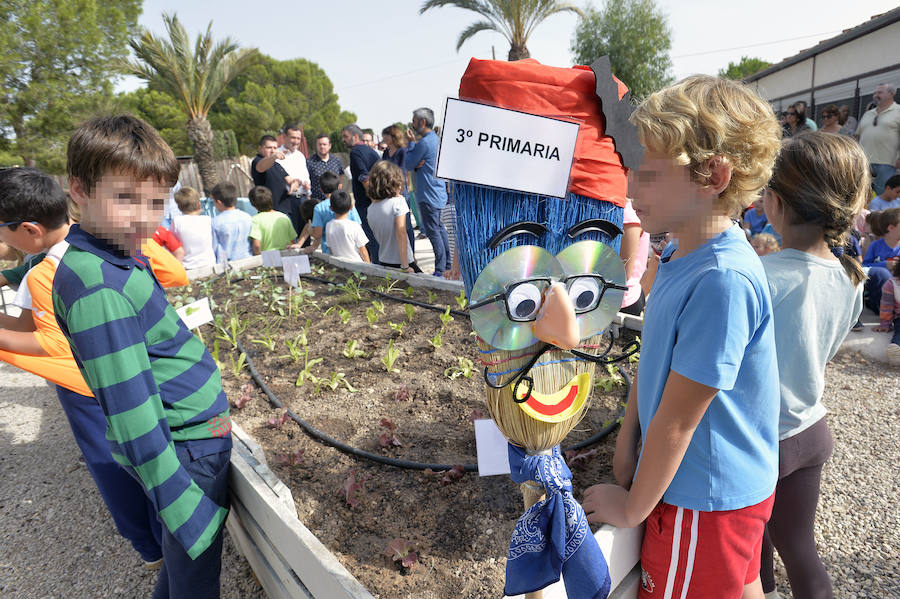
196,314
271,258
294,266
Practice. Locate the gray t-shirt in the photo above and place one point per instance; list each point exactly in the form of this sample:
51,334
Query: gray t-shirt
814,304
382,216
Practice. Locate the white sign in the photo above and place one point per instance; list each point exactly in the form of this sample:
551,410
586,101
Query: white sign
497,147
196,314
294,266
491,446
271,258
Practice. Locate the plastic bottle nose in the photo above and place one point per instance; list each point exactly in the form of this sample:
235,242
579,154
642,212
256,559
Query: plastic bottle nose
555,323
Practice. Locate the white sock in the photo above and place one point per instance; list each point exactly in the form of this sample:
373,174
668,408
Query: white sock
773,595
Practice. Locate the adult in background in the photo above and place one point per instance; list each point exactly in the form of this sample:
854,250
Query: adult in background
297,180
395,152
321,162
362,158
266,171
848,123
369,139
431,192
879,135
831,119
802,109
795,120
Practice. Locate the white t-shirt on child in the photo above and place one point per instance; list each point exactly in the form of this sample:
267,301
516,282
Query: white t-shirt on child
382,217
345,237
195,233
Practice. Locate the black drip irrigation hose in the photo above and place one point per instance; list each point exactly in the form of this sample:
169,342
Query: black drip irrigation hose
408,464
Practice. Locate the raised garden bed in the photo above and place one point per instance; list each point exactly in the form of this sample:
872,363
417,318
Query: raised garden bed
457,525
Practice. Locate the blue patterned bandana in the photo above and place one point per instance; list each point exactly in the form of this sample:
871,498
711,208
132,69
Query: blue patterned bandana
553,537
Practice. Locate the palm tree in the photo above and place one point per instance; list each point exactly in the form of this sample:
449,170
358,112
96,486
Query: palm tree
195,77
513,19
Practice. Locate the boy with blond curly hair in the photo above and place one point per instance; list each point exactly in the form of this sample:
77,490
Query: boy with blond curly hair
697,454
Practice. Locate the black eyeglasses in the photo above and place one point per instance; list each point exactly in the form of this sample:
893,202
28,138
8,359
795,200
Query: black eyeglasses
522,299
791,113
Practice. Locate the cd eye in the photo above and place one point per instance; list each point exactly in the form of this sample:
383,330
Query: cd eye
523,301
584,293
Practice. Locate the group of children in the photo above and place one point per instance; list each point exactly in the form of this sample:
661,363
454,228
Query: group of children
724,438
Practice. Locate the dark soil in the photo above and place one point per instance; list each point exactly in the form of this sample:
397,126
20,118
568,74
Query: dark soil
459,529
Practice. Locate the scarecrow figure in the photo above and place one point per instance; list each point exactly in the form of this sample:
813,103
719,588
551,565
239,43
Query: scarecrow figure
544,281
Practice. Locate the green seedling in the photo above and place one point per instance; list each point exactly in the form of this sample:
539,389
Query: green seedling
464,368
306,374
408,292
390,357
379,306
432,296
352,290
445,318
344,315
388,286
295,349
330,310
230,329
266,341
461,300
410,311
215,353
437,340
352,350
397,327
333,382
610,382
238,365
635,357
371,316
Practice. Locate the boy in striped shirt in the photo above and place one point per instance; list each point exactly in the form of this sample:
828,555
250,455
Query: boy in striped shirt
168,416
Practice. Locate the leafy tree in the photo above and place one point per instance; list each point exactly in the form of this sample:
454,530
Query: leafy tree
513,19
195,76
637,38
273,92
59,57
163,112
746,67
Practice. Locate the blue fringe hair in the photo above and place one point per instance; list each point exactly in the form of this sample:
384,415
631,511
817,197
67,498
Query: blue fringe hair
482,211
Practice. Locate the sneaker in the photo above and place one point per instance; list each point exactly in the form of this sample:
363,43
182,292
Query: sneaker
893,354
858,326
421,236
153,566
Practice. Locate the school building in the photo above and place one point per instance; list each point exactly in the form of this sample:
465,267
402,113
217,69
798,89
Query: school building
842,70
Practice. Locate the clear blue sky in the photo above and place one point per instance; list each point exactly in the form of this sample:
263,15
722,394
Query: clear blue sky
385,60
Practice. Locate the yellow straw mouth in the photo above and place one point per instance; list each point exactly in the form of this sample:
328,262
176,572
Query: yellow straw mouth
560,405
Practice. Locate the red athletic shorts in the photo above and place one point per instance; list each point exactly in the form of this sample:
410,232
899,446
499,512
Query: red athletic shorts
688,554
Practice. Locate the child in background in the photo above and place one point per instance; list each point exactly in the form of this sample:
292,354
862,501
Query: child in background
881,253
889,198
764,244
307,210
755,218
270,230
168,417
820,182
705,400
387,216
322,214
167,239
231,226
634,251
890,314
348,238
193,229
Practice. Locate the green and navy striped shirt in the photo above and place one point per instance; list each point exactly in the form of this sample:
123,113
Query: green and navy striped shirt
155,380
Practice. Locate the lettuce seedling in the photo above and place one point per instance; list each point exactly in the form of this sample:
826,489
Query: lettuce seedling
461,300
410,311
402,394
400,550
293,458
352,486
389,438
390,356
278,421
245,396
352,350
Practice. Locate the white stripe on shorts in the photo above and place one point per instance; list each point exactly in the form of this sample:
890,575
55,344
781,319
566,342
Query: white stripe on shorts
676,550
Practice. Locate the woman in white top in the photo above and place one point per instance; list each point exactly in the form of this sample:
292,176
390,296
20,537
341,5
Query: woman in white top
387,216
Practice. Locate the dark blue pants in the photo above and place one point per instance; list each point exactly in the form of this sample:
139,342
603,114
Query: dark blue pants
878,276
131,510
182,577
434,230
895,338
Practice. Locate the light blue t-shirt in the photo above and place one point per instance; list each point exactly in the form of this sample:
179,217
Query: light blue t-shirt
429,189
878,204
322,215
814,304
231,229
709,318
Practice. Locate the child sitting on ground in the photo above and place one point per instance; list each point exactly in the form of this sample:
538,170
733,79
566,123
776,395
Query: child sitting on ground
193,229
881,254
819,184
231,226
705,400
764,244
387,216
168,417
270,230
322,214
348,240
890,313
